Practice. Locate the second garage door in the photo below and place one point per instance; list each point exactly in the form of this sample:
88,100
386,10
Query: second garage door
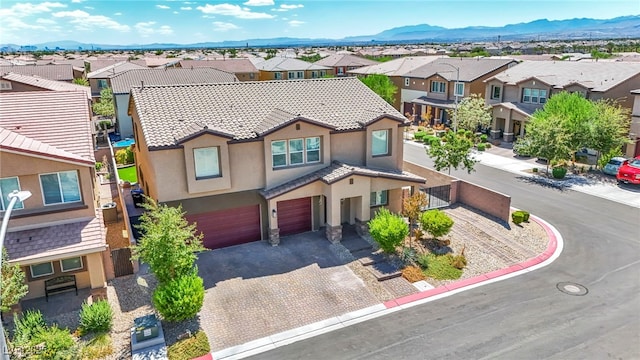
294,216
228,227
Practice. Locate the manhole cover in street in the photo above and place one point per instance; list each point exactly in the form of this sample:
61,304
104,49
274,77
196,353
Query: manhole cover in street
572,288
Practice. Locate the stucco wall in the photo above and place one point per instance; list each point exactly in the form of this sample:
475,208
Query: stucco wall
394,159
123,120
434,178
348,147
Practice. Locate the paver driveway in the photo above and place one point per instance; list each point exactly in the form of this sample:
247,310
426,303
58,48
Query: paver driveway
255,290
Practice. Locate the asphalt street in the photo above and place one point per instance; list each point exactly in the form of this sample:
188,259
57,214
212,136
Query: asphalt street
524,317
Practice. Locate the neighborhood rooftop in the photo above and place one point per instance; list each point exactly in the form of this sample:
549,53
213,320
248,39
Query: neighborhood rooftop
395,67
122,83
287,64
470,69
57,118
229,65
243,109
594,75
114,69
345,60
51,72
43,83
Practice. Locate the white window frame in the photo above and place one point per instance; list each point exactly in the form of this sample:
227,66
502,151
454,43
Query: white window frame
102,84
291,74
458,86
41,275
340,70
379,195
74,269
285,153
314,74
5,200
292,152
217,163
406,81
5,85
387,138
307,150
438,87
300,75
493,94
534,93
44,200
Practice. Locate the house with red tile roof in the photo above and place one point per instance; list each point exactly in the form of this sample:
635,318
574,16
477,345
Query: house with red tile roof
243,69
15,82
341,63
62,72
46,148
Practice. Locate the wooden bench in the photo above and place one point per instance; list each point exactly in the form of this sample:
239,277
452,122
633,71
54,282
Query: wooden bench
60,284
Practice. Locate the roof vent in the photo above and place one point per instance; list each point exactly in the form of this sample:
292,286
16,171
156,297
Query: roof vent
141,84
206,127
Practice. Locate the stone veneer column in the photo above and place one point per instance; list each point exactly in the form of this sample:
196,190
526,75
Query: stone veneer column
362,228
274,237
334,233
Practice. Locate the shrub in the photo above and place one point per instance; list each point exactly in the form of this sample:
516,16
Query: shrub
535,170
487,145
27,326
408,255
429,139
524,214
98,165
483,138
190,348
124,156
440,267
57,342
388,230
413,274
559,172
97,317
517,217
459,262
423,260
436,223
179,299
481,146
98,347
419,136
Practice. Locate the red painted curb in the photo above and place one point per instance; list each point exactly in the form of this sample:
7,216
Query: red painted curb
552,246
204,357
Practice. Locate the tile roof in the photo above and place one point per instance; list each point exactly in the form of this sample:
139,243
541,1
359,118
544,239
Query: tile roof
288,64
122,82
80,237
594,75
335,172
58,118
14,142
470,69
46,83
345,60
52,72
114,69
524,109
229,65
245,108
395,67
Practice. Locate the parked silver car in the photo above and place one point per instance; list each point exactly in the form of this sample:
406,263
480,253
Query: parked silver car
612,167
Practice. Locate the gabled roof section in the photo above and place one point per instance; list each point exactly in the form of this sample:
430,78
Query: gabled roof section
278,119
58,118
197,129
288,64
524,109
113,70
47,84
336,172
345,60
547,80
13,142
395,67
51,72
470,69
596,75
228,65
122,82
243,108
77,238
368,117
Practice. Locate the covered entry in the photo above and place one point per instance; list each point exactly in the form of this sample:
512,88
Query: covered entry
228,227
294,216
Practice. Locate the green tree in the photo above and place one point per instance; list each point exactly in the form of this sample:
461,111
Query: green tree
168,243
381,85
454,151
13,287
388,230
180,299
412,208
81,81
548,139
610,128
105,106
472,113
436,223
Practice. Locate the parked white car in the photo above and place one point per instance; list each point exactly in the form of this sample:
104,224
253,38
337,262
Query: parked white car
612,167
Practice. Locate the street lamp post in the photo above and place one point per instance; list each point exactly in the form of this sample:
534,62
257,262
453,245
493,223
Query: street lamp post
13,197
455,94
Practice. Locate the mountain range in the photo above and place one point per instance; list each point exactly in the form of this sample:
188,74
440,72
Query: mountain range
538,30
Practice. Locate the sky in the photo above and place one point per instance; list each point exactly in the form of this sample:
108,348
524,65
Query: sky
127,22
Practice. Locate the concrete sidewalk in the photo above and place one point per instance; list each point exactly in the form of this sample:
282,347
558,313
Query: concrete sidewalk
553,250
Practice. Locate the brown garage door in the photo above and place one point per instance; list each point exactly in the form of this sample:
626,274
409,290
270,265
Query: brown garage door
228,227
294,216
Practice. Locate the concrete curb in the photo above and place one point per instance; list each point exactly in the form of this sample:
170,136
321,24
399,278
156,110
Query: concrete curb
554,248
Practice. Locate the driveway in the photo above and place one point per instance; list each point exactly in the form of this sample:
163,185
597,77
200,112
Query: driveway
255,290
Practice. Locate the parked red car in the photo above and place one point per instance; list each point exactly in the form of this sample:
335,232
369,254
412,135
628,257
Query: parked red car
630,172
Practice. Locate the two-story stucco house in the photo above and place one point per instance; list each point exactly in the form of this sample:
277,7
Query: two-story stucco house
259,160
243,69
121,85
101,79
517,92
341,63
282,68
46,148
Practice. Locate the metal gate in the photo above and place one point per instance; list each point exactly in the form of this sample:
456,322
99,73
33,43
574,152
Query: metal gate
438,196
122,262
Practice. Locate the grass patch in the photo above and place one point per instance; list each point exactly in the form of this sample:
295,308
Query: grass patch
187,349
439,267
98,347
128,174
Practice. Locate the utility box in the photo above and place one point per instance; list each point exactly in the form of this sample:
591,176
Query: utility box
146,327
109,212
147,339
